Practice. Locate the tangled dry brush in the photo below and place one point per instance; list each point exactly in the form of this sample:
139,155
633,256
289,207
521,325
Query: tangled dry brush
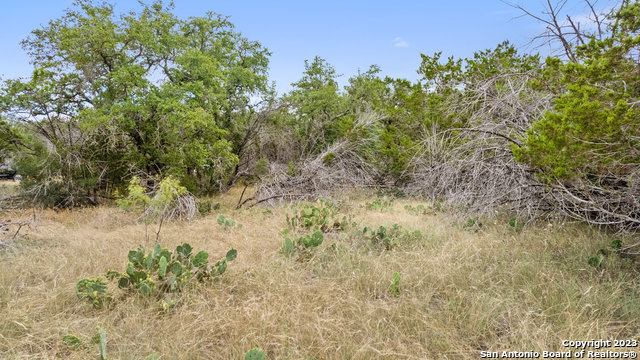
473,167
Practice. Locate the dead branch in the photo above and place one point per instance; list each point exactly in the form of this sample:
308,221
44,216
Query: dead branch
340,165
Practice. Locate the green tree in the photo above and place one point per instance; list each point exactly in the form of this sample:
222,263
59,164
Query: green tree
593,128
317,106
587,149
11,140
138,93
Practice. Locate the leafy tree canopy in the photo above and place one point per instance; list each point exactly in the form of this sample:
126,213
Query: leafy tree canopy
142,92
593,128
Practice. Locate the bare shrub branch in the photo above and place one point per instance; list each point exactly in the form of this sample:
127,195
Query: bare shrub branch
340,165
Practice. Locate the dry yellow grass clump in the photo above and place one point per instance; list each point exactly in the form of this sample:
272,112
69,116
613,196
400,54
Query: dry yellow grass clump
8,187
461,291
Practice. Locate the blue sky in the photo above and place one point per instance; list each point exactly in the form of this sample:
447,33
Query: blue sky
350,34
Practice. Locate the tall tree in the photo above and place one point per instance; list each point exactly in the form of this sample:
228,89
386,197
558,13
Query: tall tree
316,103
138,93
588,146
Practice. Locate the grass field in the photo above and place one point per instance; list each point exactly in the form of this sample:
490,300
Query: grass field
462,290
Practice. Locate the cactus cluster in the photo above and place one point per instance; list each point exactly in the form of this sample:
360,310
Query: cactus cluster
158,270
93,291
416,210
314,216
387,237
383,204
303,243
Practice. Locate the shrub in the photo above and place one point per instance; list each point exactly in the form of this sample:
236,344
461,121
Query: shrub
168,200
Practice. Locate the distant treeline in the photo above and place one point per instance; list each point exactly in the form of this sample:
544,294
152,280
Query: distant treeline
147,94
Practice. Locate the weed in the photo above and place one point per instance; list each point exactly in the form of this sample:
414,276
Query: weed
394,287
416,210
384,204
473,224
206,205
255,354
598,259
514,223
72,341
292,170
228,223
328,158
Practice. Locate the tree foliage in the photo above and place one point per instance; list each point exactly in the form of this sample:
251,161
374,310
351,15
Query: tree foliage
138,93
594,126
147,94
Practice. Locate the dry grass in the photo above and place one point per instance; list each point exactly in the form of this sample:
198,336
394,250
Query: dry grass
8,187
461,291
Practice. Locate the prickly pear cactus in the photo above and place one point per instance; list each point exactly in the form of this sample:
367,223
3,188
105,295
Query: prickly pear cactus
93,291
156,271
319,216
311,241
287,248
162,267
103,343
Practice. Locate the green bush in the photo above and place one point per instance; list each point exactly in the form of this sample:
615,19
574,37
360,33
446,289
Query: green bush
155,205
206,205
